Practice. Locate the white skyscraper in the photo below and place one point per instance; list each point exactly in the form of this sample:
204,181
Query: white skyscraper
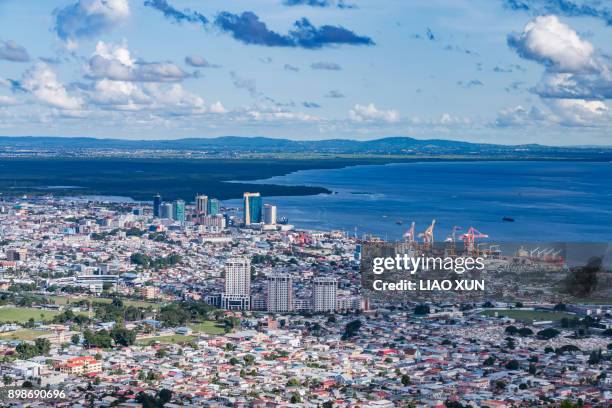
269,214
324,294
237,294
280,293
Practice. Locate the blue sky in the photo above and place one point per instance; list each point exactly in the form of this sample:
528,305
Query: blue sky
500,71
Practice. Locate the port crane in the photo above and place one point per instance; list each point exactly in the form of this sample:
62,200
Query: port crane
428,236
409,235
469,240
451,239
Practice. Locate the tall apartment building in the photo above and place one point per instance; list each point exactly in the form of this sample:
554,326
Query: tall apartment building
280,293
237,294
269,216
252,208
324,294
201,205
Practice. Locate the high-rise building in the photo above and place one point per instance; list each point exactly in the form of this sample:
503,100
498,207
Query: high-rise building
324,294
237,294
157,204
166,210
213,206
178,213
280,293
269,215
252,208
201,205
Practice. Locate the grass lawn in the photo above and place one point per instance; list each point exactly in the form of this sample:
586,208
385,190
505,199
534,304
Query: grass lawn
174,339
23,314
528,316
23,334
63,300
207,327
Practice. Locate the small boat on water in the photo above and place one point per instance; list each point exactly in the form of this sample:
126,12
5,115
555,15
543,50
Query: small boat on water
399,222
508,219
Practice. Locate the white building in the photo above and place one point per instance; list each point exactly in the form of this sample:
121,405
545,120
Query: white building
324,294
269,214
280,293
237,294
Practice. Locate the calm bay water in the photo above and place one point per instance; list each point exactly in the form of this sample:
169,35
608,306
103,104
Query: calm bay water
550,201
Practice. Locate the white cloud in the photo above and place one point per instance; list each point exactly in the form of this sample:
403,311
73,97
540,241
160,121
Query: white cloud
42,82
11,51
578,112
366,113
548,41
89,18
116,63
574,70
8,101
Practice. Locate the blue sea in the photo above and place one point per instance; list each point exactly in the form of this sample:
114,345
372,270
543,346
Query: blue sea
549,201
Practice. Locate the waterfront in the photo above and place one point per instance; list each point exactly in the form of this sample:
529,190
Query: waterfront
549,201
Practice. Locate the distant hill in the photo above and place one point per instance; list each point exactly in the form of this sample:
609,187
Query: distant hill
235,144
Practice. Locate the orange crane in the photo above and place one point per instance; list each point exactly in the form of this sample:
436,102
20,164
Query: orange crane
409,235
428,236
469,240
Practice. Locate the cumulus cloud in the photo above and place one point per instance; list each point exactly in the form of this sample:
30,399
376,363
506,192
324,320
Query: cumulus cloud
42,82
566,8
199,62
115,62
249,29
573,68
330,66
550,42
370,113
176,15
7,101
89,18
563,112
11,51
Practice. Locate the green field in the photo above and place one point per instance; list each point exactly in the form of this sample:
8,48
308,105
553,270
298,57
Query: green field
173,339
207,327
23,314
23,334
528,316
63,300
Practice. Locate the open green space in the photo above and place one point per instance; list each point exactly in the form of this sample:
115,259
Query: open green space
172,339
207,327
63,300
23,314
23,334
528,316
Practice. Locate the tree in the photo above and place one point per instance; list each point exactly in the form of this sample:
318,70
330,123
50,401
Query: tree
511,330
512,365
75,339
421,309
123,336
406,379
327,404
296,399
351,329
165,395
489,361
249,359
548,334
525,332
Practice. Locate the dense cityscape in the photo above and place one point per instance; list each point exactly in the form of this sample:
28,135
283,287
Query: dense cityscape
177,304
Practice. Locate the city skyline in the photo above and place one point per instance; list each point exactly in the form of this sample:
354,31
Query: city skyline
523,71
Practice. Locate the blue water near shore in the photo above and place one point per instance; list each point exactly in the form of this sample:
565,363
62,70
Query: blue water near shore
549,201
